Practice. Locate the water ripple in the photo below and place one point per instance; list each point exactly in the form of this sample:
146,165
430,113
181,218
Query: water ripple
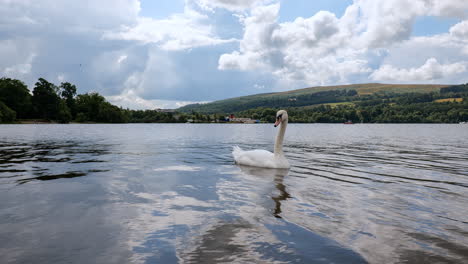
171,193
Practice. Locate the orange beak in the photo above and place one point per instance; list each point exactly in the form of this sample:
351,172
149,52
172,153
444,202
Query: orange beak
278,121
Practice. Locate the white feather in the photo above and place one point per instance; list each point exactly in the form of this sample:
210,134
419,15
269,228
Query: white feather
259,158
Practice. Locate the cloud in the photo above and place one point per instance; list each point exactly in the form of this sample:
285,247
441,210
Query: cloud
387,22
17,56
305,50
379,24
129,99
431,70
445,49
460,30
188,30
15,62
20,69
233,5
324,49
448,8
62,15
257,49
48,38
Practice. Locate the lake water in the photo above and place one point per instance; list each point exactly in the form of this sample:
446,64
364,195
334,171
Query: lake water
168,193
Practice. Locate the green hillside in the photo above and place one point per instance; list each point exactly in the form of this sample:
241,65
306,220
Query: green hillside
308,97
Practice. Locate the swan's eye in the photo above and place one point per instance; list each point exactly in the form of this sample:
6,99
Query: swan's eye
280,116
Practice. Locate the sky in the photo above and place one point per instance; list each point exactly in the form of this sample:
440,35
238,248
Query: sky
146,54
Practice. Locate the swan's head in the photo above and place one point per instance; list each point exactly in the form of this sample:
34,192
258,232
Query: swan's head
281,116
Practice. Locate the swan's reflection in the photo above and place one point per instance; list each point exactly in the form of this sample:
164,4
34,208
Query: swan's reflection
246,239
251,235
278,178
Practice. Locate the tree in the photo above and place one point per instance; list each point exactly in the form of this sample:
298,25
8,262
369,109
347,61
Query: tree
63,114
89,105
45,99
94,107
15,95
109,113
6,114
68,92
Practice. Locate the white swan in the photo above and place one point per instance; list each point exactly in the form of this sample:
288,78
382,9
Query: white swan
263,158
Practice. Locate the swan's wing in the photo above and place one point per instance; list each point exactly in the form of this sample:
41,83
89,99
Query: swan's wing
256,157
237,153
236,150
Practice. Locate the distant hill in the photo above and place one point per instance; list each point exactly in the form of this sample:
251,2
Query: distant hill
308,97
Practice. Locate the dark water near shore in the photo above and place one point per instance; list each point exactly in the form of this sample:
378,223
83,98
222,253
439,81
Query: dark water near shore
167,193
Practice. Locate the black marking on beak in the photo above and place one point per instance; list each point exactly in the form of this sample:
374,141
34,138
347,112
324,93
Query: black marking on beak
278,118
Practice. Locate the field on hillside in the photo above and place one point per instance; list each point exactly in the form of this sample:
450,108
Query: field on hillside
371,88
449,100
332,105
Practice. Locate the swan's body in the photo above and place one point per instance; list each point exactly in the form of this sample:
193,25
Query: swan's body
259,158
264,158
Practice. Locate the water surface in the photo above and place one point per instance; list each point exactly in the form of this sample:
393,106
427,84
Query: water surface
168,193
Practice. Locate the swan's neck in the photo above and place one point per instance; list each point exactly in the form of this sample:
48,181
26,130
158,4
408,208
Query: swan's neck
280,138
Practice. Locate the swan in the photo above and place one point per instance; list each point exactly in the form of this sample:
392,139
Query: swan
264,158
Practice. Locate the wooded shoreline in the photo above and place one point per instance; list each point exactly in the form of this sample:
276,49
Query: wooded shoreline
49,103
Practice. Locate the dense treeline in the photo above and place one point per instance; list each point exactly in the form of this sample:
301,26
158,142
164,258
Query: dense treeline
54,103
462,88
49,102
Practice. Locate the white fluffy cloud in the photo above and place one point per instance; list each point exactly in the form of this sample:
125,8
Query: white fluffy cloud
68,15
460,30
50,38
14,61
441,58
20,69
448,8
431,70
187,30
324,49
308,50
233,5
111,19
129,99
257,49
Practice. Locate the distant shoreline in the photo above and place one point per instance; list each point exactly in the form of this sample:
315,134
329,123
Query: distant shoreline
46,122
41,121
